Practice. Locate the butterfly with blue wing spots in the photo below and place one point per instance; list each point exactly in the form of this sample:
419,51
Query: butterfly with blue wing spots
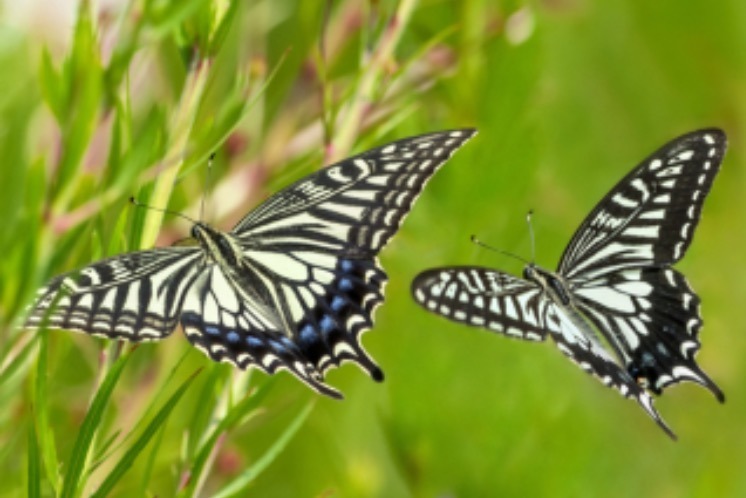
615,306
293,286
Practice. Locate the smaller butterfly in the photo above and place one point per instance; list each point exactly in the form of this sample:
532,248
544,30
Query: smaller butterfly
615,306
292,286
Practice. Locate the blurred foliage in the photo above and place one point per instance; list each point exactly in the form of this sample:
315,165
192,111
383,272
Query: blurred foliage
100,105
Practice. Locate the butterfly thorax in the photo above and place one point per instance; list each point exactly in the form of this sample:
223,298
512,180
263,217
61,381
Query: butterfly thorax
219,246
551,283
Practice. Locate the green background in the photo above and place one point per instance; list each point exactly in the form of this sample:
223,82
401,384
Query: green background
568,95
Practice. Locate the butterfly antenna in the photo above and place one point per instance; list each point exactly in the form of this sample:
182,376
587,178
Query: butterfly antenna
207,187
478,242
531,234
137,203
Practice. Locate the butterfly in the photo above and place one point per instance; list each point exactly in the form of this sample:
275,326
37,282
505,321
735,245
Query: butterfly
292,286
615,306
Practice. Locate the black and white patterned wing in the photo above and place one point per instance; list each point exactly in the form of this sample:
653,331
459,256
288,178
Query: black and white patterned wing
355,206
309,275
651,318
135,296
617,264
519,308
484,298
236,320
578,342
649,217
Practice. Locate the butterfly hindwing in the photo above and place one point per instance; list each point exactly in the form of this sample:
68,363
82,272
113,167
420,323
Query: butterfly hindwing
652,318
135,296
576,340
315,325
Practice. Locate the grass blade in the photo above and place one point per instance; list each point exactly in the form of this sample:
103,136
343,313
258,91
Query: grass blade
72,482
34,464
44,434
17,359
231,419
152,429
245,478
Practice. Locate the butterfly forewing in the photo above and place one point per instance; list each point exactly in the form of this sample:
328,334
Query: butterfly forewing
649,217
354,206
293,286
135,296
484,298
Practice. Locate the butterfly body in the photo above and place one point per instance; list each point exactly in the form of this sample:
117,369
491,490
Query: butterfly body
292,286
219,247
615,306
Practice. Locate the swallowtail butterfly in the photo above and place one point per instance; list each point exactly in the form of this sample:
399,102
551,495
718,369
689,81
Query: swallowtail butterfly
292,286
614,306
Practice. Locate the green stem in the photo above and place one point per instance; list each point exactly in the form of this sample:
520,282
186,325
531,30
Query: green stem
364,96
181,129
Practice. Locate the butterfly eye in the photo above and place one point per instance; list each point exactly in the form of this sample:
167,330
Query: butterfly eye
529,273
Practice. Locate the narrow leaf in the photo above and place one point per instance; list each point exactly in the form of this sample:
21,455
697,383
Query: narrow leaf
141,442
245,478
52,87
237,413
73,479
44,434
34,464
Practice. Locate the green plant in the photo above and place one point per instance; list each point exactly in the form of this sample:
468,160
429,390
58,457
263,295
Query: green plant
567,97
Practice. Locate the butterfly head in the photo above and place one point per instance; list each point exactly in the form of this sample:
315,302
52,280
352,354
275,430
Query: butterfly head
552,283
530,272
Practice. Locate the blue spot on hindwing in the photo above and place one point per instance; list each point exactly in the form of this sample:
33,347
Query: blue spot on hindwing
346,265
338,303
254,342
345,284
287,342
327,324
233,337
212,330
277,346
308,334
